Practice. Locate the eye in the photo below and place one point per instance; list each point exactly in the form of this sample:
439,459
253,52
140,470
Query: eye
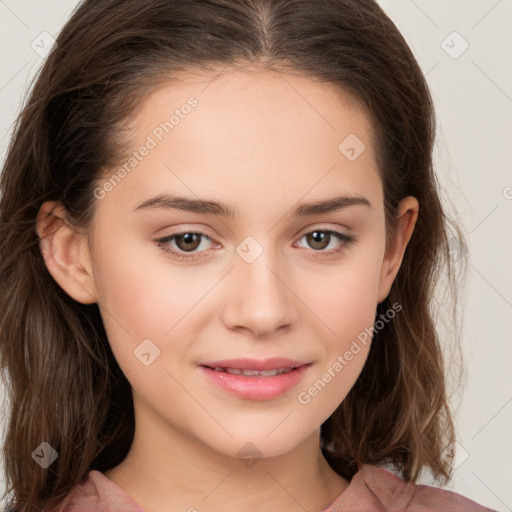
186,242
321,239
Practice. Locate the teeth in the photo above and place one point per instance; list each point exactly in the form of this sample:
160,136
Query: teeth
254,373
268,373
250,373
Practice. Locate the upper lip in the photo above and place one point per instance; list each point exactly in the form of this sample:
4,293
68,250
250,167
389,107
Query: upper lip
255,364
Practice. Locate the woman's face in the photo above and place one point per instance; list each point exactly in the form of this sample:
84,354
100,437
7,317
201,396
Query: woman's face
276,278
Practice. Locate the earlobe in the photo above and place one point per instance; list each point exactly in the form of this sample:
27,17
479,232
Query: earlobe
406,220
65,252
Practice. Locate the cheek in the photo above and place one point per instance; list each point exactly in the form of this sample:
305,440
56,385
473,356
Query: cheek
343,297
346,310
344,301
144,297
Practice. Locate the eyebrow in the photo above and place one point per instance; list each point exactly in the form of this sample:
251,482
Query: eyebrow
167,202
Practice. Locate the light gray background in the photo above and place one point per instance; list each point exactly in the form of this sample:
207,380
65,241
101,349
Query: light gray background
473,96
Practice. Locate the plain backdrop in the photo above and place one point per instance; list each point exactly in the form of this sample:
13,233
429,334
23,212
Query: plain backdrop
464,48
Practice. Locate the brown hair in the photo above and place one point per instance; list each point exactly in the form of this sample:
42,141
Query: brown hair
64,385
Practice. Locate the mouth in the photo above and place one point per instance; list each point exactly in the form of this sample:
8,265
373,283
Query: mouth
253,379
252,373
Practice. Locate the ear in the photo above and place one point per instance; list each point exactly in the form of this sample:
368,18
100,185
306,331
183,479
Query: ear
65,252
406,220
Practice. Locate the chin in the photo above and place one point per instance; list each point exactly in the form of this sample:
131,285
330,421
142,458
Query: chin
249,448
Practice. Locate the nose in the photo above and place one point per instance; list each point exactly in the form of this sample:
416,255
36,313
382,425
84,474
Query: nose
259,298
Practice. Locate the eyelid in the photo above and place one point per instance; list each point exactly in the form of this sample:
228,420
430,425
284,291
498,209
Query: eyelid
322,227
188,228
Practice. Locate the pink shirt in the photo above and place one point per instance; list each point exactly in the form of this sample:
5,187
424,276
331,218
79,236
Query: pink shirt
372,489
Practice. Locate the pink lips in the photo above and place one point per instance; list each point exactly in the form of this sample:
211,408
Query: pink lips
255,387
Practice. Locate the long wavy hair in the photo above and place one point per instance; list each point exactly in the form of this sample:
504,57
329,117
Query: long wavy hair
63,384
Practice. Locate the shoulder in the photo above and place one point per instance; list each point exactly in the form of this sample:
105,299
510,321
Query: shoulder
390,490
96,492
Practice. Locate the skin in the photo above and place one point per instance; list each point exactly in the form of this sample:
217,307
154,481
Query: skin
255,138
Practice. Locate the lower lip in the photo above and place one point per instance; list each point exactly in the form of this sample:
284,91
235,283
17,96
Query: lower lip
255,388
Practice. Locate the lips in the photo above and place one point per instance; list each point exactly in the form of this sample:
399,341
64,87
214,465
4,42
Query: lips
255,379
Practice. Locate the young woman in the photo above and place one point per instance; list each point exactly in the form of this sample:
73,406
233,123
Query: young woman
220,237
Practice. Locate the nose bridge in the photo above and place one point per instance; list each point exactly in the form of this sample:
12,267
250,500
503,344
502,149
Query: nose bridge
258,298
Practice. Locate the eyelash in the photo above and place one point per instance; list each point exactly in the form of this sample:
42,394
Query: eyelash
163,243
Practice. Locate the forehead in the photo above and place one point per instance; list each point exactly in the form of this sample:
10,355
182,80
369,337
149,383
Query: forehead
253,102
250,133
